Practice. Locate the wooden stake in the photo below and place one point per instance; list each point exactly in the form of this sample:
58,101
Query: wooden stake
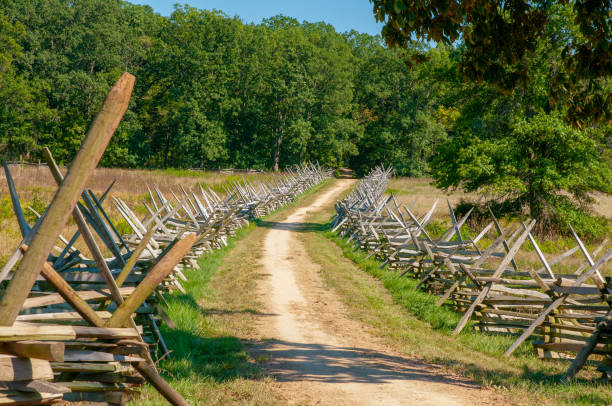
87,235
154,277
485,291
584,353
557,302
65,199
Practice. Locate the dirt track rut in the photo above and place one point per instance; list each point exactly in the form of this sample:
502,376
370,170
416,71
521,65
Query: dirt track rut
317,354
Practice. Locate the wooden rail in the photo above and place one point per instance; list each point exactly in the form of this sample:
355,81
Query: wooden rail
83,327
560,312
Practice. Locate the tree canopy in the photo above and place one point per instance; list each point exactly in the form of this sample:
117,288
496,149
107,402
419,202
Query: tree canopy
500,38
213,91
530,127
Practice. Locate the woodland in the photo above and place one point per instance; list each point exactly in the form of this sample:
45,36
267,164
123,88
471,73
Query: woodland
497,108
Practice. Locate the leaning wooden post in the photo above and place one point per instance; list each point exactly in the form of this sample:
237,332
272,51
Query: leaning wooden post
557,302
68,293
135,256
154,277
60,258
65,199
589,346
146,369
23,224
86,233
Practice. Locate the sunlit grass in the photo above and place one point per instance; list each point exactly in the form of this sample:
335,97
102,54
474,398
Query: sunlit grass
411,322
210,363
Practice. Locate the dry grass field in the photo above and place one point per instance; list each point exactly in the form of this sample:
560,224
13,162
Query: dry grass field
36,188
421,189
410,188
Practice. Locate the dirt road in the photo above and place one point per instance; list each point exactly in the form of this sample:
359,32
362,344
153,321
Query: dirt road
321,357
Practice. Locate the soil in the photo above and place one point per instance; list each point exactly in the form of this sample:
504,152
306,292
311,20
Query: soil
317,354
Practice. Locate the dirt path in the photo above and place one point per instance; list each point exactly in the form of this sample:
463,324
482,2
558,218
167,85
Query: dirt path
321,357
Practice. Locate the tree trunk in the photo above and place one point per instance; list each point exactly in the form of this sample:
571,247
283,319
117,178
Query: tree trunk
276,157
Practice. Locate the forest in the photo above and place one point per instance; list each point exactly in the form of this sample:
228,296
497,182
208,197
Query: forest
199,210
214,92
211,91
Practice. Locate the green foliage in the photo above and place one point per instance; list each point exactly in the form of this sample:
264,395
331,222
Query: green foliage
211,91
397,106
122,227
542,164
214,92
37,203
520,149
500,38
6,209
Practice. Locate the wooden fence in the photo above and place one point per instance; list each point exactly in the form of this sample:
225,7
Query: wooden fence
564,314
81,327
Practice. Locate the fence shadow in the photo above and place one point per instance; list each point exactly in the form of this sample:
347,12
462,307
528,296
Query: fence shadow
294,361
297,227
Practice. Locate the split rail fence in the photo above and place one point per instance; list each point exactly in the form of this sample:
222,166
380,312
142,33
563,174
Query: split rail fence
564,314
85,327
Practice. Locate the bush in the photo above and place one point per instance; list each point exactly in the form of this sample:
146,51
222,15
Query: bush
542,169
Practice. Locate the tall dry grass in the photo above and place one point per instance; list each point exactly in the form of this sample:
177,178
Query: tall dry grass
421,189
36,188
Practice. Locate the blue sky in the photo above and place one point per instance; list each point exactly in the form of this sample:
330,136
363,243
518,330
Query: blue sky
344,15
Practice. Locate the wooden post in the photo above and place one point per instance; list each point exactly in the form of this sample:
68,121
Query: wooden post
87,235
500,269
147,370
499,231
135,255
50,351
154,277
68,294
556,303
65,199
589,346
59,261
23,224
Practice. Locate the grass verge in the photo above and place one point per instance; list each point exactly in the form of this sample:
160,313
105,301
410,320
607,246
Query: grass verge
411,322
210,363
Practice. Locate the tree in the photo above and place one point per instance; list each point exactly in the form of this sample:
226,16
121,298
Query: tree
501,36
212,91
306,100
187,88
396,107
512,137
542,164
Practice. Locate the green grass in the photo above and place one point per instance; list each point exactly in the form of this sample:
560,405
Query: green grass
209,362
412,323
397,191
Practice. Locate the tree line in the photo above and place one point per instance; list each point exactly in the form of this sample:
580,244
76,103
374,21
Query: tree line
211,90
485,99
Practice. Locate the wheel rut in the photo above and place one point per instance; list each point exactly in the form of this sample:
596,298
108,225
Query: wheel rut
317,354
